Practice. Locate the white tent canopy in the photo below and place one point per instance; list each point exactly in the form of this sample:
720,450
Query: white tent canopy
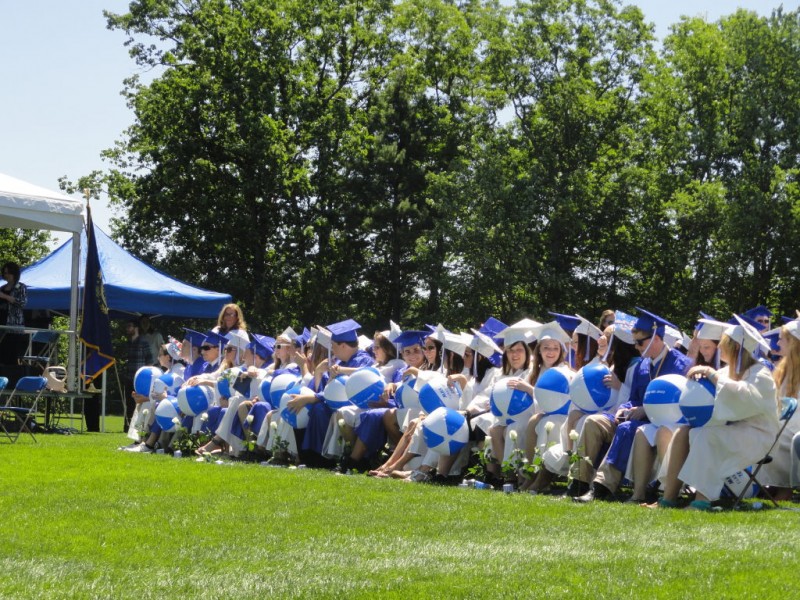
27,206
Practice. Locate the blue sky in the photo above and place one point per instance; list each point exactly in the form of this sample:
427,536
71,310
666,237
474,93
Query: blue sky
62,73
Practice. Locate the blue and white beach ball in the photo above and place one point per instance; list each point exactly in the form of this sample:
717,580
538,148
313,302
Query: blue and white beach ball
439,392
364,386
264,387
587,391
255,388
226,382
552,390
297,420
661,400
195,400
144,379
406,396
169,383
509,404
445,431
335,393
737,482
697,401
167,410
281,383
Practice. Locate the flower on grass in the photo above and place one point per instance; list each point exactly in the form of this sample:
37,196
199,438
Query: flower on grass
549,427
145,412
574,435
513,435
341,423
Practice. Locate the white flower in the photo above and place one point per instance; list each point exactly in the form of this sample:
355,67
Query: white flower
549,426
176,421
204,417
274,426
513,436
574,435
341,423
145,412
250,419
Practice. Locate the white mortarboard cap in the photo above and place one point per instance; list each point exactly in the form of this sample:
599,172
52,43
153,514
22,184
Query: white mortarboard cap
289,334
551,331
483,344
455,342
793,327
672,336
587,328
364,342
438,333
709,329
521,331
746,335
238,339
323,337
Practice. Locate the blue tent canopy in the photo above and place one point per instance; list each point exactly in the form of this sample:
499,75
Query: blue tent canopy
131,286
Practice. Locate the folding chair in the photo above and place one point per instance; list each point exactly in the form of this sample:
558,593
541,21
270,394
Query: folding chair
789,405
42,347
23,417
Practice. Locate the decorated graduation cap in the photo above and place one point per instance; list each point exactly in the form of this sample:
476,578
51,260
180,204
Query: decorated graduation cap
521,331
568,322
173,348
748,336
623,326
344,331
262,345
195,337
411,338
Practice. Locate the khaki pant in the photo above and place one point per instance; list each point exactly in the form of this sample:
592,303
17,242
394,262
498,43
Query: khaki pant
597,432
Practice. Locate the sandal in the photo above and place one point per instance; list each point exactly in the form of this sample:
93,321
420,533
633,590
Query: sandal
664,503
209,448
699,505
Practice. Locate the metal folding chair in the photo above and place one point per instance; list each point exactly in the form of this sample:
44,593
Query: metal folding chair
21,417
42,348
789,406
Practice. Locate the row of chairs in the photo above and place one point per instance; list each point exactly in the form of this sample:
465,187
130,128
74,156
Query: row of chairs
16,419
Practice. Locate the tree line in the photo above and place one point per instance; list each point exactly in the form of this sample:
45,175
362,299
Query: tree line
434,160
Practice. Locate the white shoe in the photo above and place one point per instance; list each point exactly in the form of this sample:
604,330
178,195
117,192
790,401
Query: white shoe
142,448
129,446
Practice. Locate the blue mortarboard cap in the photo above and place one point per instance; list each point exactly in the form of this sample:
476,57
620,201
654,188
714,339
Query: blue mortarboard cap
647,321
492,327
344,331
195,337
568,323
263,345
758,311
215,339
772,339
409,338
750,321
303,338
788,319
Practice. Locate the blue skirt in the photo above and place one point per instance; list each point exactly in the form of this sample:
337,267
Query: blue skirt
371,430
318,420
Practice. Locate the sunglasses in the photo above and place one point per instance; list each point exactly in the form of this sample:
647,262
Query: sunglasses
206,348
279,346
641,341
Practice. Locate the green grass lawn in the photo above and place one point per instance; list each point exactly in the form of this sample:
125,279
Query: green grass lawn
81,520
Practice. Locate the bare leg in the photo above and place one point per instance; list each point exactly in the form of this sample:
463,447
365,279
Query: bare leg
399,450
497,435
392,426
644,457
679,450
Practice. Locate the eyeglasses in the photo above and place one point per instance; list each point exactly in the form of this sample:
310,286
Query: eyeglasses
229,314
206,348
641,341
430,348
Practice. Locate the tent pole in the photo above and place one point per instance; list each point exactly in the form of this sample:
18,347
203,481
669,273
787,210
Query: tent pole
103,408
72,362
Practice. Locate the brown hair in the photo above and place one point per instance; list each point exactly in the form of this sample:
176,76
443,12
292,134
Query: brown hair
732,349
788,369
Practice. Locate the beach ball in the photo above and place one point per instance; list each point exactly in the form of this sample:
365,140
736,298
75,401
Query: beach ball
255,388
226,382
263,389
509,404
296,420
365,385
335,393
406,396
661,400
439,392
169,383
552,390
281,383
167,410
195,400
587,391
445,431
739,481
697,401
144,379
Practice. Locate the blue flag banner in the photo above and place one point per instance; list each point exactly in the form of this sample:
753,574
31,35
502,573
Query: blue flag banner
95,331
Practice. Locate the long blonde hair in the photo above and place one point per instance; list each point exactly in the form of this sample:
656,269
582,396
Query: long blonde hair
788,369
732,349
